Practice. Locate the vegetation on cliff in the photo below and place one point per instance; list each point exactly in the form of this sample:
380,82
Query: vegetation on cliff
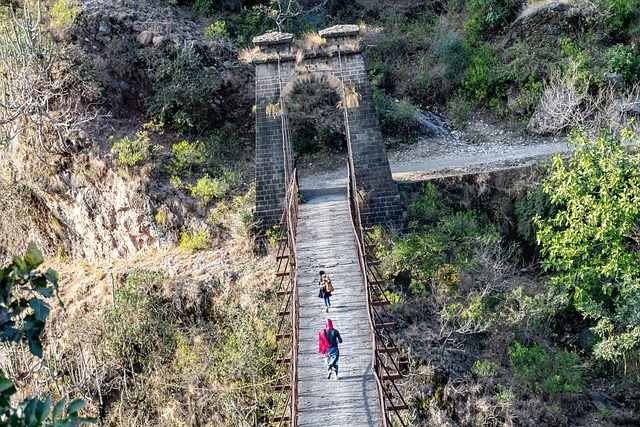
534,327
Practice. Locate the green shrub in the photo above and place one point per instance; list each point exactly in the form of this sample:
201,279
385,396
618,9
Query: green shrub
24,291
534,203
223,142
64,13
273,234
438,248
484,368
505,396
460,109
546,373
392,297
471,315
445,280
183,90
578,63
429,208
207,189
132,151
619,14
397,118
479,80
490,15
200,240
240,21
529,96
175,181
217,31
624,60
243,25
455,53
590,242
189,354
186,156
140,325
520,71
534,315
403,61
242,347
620,344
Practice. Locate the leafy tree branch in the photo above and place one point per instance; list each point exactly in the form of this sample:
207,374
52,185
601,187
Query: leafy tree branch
591,242
23,315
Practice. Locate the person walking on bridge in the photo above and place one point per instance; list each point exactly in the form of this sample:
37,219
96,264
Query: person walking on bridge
328,339
326,287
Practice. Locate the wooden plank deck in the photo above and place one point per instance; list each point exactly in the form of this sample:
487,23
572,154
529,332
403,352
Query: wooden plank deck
325,242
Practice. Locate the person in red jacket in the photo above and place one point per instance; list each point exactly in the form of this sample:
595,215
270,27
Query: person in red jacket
328,339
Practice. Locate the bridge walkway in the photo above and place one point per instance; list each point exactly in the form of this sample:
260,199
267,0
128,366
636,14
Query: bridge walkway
325,241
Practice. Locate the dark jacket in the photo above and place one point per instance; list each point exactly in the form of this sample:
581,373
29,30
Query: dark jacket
333,336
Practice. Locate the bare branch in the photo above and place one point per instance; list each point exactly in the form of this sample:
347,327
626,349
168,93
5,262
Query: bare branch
37,104
282,10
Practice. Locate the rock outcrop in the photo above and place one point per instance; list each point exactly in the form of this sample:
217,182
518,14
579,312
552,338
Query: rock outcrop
87,211
543,26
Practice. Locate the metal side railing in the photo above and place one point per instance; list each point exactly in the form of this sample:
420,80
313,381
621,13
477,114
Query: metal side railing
385,353
286,381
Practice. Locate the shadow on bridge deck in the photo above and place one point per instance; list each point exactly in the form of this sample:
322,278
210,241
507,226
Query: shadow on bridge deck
321,195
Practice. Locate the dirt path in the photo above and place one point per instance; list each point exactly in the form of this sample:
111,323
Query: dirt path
480,147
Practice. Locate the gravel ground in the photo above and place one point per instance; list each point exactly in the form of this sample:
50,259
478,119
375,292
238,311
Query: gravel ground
480,147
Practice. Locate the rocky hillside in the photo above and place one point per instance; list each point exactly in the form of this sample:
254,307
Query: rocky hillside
80,201
150,75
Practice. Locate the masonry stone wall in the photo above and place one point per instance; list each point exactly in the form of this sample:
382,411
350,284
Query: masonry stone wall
270,164
340,65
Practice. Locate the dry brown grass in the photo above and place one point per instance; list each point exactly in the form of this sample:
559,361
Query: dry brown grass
312,41
200,287
273,110
248,54
299,58
566,102
351,97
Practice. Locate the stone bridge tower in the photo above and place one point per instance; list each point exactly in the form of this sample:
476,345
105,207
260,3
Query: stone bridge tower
338,63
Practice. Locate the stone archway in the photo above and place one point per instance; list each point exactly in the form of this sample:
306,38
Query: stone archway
280,67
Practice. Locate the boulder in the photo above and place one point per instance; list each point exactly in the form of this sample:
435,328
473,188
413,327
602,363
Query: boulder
145,38
159,41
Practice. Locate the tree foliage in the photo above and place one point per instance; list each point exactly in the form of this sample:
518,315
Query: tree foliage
184,89
23,314
591,242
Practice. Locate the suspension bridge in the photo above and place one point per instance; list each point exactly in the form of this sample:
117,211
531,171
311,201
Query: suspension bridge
327,233
331,231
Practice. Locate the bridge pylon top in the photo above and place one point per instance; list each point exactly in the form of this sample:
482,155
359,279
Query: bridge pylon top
276,46
340,31
273,39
